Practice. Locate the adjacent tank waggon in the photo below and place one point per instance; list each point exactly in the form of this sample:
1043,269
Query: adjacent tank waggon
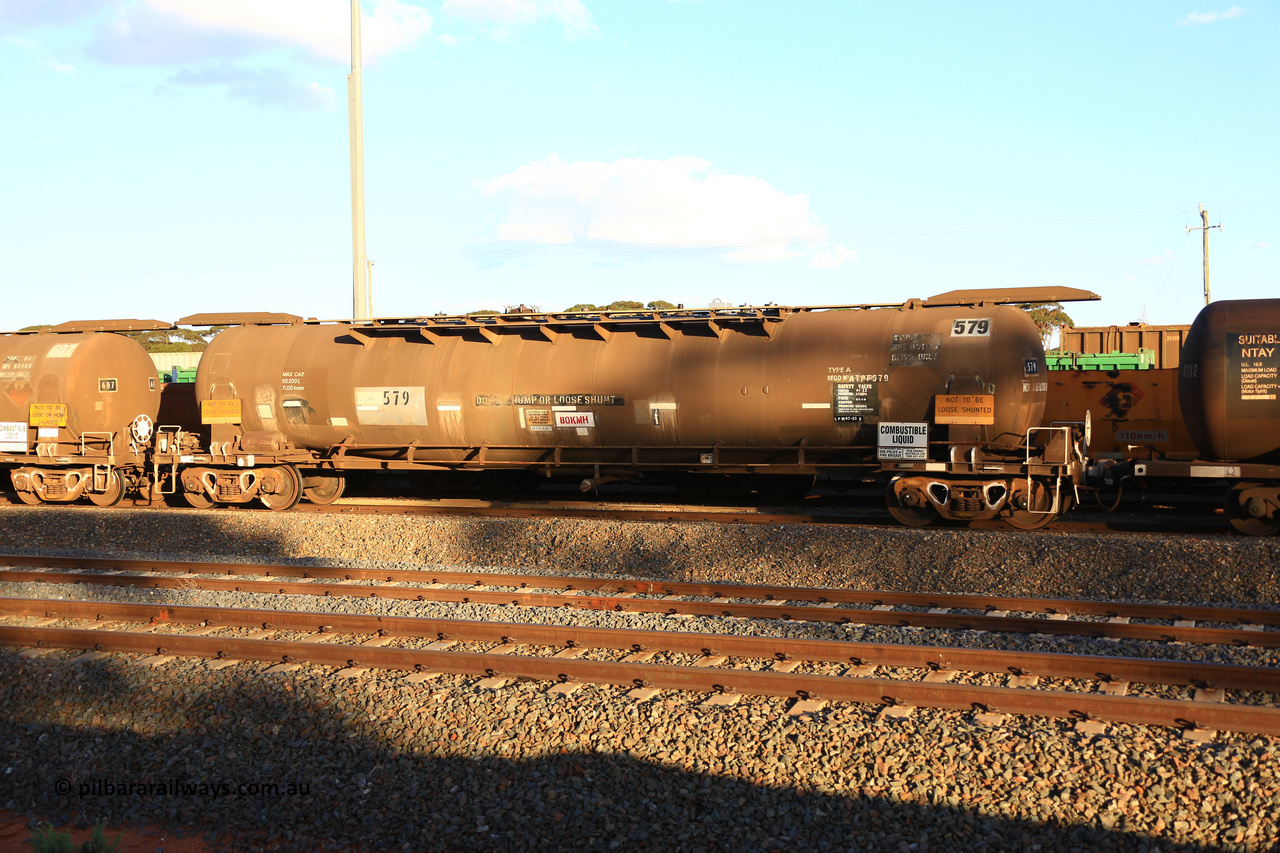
77,407
1229,395
1229,384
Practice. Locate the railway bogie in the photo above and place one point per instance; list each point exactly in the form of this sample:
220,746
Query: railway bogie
277,487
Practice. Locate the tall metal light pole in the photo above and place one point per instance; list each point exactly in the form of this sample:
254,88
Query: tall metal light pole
362,300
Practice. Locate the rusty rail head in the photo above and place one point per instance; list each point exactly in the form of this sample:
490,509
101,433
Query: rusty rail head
945,621
1127,709
1092,667
1074,607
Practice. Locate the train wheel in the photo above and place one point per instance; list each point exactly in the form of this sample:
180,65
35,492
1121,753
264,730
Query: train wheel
324,489
288,491
1246,514
911,516
1035,514
113,494
29,498
199,500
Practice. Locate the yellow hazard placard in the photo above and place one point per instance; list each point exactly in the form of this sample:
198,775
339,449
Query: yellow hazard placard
47,415
964,409
219,411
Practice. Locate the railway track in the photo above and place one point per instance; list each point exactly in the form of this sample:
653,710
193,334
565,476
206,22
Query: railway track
838,512
1115,620
1191,696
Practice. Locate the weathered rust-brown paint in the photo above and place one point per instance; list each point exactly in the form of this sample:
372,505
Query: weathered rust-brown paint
78,370
1229,381
677,387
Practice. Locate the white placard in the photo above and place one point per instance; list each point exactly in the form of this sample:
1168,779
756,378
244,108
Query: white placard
899,440
391,406
575,419
13,437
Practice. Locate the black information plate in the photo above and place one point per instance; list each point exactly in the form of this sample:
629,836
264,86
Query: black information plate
855,401
1253,375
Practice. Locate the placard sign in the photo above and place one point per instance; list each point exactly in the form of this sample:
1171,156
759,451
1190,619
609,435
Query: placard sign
392,406
575,419
47,415
964,408
898,440
219,411
853,401
13,437
1252,389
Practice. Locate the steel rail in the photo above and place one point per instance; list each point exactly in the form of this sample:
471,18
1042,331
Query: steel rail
1046,664
644,586
736,515
743,515
795,613
1129,709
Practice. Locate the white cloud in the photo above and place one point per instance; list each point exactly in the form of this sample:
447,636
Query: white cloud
1157,259
32,47
15,14
152,32
831,258
500,18
1198,18
1261,245
267,86
679,203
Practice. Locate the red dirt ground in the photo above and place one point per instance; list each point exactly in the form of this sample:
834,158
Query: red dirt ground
15,838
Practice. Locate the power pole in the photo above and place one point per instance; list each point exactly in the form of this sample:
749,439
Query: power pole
1204,217
361,299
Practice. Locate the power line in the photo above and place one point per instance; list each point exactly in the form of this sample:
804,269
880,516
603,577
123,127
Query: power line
498,250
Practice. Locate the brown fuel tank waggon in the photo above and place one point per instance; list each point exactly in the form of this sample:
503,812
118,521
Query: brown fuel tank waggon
755,380
95,383
1229,383
77,407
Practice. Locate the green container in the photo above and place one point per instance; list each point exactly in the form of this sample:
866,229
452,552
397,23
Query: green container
1058,360
1143,359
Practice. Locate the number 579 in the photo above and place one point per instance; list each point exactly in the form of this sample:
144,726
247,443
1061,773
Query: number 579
971,327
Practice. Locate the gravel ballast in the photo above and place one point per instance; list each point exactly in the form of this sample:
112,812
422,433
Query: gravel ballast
381,762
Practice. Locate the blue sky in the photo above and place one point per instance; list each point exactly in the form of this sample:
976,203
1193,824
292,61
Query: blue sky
164,157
